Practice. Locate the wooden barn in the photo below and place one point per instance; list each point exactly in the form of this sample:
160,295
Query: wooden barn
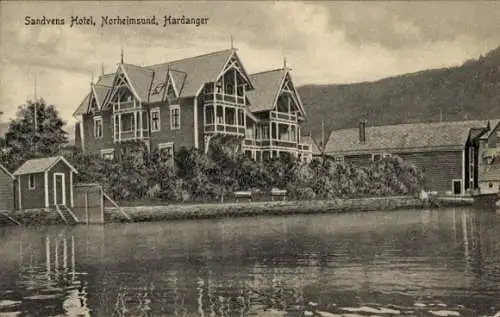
446,152
7,193
45,183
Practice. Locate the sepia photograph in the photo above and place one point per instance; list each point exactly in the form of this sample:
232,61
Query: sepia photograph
250,158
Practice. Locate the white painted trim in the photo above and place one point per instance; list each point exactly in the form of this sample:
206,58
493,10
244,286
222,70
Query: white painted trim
19,191
82,134
463,171
154,110
170,109
130,86
72,203
461,185
63,188
166,145
46,188
107,151
196,132
172,82
61,158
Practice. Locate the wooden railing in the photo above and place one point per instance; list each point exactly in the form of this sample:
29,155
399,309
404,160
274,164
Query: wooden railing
283,116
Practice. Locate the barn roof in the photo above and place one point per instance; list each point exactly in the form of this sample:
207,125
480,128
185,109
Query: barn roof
2,168
403,137
41,165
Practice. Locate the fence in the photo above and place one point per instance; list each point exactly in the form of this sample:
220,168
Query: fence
89,203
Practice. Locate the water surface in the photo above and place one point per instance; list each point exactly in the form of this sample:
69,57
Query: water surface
403,263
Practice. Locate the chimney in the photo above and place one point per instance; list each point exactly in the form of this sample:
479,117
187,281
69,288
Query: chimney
362,131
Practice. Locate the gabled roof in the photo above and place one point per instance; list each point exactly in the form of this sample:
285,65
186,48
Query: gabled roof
99,90
403,137
41,165
2,168
191,73
140,79
188,75
267,85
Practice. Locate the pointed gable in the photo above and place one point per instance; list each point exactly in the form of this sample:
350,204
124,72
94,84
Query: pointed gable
190,74
266,89
98,92
140,79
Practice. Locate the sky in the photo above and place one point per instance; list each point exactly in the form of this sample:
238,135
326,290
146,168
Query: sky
323,42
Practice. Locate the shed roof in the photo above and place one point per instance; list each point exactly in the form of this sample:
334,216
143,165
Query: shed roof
4,169
403,137
41,165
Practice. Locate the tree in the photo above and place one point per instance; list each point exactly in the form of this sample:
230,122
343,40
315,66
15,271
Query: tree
30,136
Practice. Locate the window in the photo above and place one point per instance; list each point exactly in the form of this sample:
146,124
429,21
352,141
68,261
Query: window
128,122
219,86
220,115
31,182
249,132
229,89
209,114
155,119
241,117
265,132
108,154
98,131
175,117
339,159
230,116
166,149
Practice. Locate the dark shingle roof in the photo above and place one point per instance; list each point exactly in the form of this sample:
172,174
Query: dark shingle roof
267,85
41,165
189,74
403,137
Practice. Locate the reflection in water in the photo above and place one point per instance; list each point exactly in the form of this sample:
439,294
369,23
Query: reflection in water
386,263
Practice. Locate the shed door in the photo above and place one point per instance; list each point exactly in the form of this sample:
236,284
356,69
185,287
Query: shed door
59,189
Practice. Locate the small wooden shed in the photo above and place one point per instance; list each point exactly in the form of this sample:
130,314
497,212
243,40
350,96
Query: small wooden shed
45,183
7,193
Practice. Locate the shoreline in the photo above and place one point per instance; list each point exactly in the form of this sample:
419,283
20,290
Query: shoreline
198,211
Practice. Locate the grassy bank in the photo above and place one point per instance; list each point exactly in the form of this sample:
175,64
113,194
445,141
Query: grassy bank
172,212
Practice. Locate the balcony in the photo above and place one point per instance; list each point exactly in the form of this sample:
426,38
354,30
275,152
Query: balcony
283,116
219,98
224,119
131,125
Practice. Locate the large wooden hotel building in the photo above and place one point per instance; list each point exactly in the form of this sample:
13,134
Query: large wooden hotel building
184,103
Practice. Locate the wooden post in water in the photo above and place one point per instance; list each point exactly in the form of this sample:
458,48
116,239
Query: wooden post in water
102,204
73,257
47,255
87,207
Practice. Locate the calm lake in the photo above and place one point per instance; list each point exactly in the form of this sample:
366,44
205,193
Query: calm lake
399,263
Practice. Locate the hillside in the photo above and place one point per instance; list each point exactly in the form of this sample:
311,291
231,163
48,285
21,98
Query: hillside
469,91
